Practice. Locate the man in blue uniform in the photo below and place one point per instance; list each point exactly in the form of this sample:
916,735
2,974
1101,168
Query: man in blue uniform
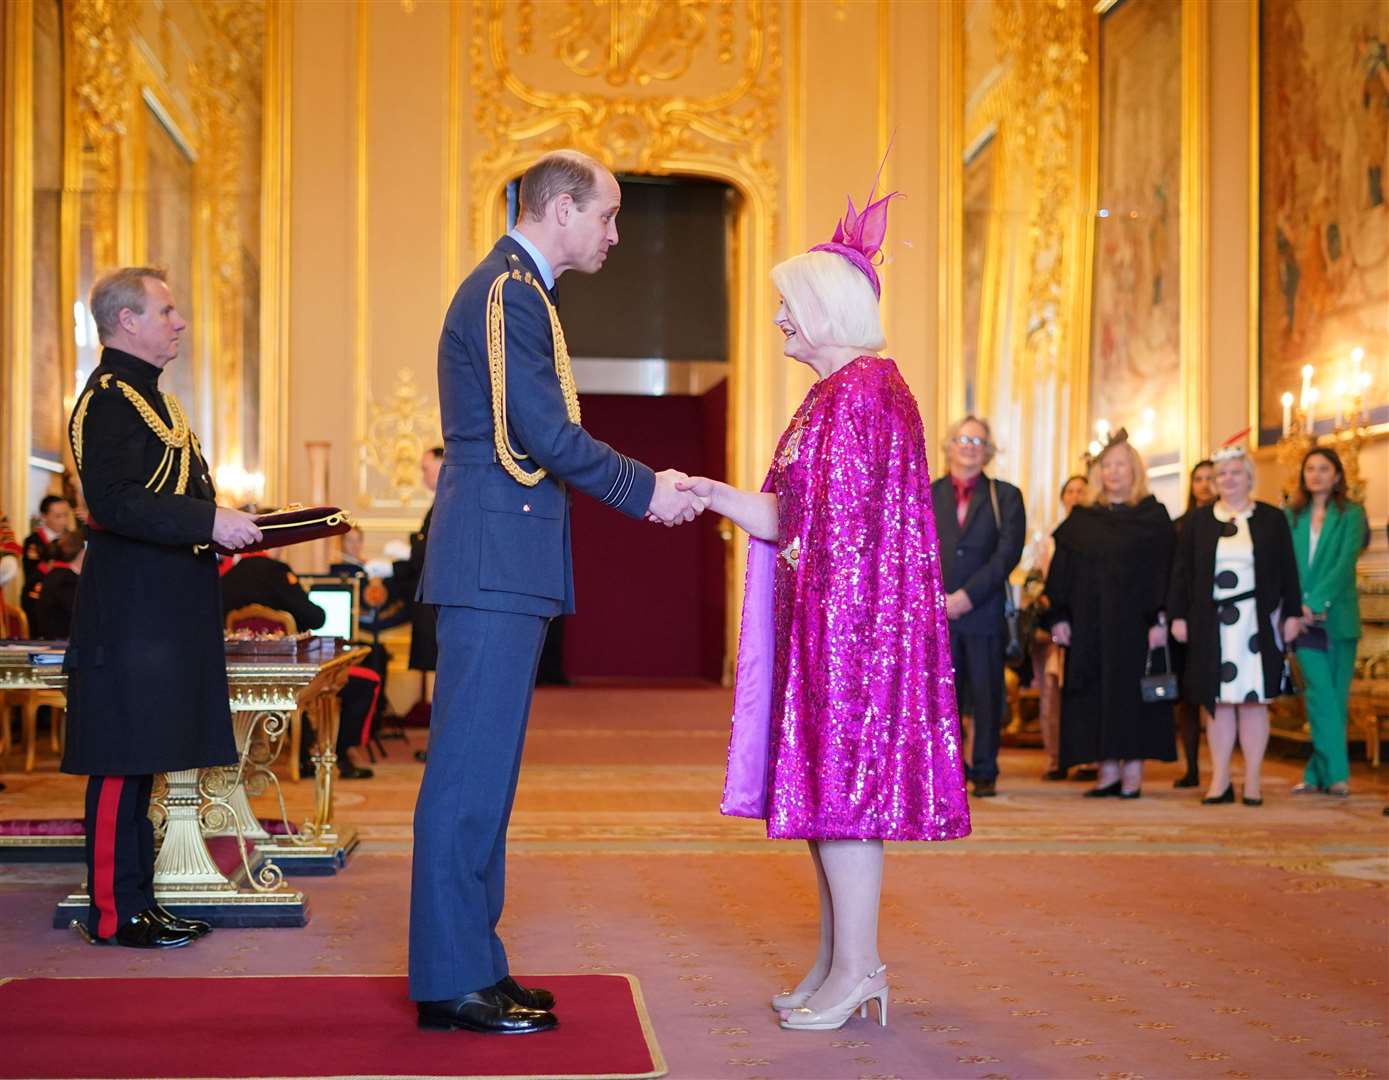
498,570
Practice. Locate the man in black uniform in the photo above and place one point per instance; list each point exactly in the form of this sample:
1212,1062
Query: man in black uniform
146,667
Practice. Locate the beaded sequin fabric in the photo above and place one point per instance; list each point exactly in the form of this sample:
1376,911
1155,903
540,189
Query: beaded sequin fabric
864,736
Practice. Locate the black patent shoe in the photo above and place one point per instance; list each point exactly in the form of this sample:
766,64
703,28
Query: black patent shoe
1190,779
1055,774
1228,795
1113,790
143,931
488,1012
196,927
347,770
532,998
985,789
1136,793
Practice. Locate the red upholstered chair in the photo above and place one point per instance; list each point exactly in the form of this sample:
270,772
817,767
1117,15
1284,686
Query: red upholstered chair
260,619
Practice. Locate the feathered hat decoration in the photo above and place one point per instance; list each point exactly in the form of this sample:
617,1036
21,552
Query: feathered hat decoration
1116,437
859,234
1232,447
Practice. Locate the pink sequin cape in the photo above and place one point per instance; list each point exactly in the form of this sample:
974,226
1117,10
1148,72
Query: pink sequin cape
845,722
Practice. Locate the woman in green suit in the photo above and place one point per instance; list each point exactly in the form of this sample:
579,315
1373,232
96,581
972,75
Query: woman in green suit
1328,535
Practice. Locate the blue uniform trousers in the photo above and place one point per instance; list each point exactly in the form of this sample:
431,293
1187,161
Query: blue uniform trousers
482,697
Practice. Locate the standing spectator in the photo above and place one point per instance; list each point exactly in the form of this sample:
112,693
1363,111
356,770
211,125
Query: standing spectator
1047,657
981,525
55,519
1106,589
56,598
1327,529
424,642
1200,492
1235,600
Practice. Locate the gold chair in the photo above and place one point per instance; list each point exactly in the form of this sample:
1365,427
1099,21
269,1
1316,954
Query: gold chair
29,702
261,620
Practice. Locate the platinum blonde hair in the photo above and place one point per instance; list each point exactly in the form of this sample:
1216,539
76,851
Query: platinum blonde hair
990,447
830,301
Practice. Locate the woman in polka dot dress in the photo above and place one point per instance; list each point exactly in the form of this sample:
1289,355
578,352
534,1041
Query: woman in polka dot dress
1236,601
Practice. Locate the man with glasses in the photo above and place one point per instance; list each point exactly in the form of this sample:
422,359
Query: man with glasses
981,524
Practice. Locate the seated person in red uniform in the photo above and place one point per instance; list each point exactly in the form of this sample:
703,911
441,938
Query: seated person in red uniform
260,578
56,597
55,519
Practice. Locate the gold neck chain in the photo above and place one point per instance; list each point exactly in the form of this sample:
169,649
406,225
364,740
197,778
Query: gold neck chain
508,455
178,438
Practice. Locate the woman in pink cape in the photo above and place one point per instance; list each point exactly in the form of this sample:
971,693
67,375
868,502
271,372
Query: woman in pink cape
845,731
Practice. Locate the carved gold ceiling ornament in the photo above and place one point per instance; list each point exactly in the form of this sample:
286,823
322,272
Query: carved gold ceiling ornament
707,119
636,41
1047,46
398,432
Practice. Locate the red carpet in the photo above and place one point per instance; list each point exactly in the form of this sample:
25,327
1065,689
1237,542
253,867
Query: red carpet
310,1026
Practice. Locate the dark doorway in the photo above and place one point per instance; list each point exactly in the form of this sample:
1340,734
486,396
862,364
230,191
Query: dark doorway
650,340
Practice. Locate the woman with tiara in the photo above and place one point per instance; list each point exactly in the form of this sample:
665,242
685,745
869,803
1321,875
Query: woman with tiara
845,731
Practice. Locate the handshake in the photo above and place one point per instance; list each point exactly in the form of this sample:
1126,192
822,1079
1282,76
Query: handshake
678,498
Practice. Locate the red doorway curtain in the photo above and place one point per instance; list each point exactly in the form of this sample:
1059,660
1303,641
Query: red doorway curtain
651,600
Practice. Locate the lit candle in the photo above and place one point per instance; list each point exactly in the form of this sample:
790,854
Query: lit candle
1340,392
1307,372
1287,400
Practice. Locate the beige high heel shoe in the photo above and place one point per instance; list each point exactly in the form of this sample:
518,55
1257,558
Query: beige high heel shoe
835,1017
792,999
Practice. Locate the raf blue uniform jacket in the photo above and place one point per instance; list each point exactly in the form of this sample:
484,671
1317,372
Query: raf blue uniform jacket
496,544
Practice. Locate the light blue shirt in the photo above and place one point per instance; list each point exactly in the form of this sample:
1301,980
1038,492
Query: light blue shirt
541,263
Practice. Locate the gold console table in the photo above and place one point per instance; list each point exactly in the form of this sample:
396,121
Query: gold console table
216,861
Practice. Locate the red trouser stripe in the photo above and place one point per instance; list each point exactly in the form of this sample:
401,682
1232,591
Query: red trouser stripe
104,854
370,676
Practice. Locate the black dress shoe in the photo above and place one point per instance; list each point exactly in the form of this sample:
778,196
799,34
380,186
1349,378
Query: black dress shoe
1136,793
1108,791
489,1012
1086,772
985,789
1191,779
1228,795
421,755
196,927
348,771
143,931
532,998
1054,774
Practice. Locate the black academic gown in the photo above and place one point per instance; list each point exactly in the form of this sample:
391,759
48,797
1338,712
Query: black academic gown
1108,579
146,664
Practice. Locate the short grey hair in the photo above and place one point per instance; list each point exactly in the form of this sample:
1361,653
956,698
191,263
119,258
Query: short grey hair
118,291
1243,459
563,172
990,447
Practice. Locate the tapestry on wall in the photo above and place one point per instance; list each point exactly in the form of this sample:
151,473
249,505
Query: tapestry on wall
1135,340
1323,206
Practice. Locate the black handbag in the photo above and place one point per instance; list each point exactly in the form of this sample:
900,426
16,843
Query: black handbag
1013,651
1290,682
1160,687
1314,638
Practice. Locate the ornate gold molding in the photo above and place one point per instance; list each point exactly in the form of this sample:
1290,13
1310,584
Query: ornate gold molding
1050,48
101,85
722,133
397,434
1195,232
275,248
16,225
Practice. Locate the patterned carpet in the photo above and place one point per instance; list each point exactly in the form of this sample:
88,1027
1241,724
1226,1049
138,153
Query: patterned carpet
1065,938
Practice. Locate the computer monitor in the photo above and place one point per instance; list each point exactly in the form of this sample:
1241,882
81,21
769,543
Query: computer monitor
338,597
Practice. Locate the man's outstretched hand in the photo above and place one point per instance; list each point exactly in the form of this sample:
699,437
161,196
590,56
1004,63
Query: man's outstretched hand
671,506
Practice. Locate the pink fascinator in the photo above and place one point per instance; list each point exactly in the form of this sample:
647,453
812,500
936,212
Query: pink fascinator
859,235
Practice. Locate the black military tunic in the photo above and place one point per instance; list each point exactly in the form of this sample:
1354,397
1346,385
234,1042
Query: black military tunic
146,664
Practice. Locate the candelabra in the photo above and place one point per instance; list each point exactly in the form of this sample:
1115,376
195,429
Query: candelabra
1349,429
